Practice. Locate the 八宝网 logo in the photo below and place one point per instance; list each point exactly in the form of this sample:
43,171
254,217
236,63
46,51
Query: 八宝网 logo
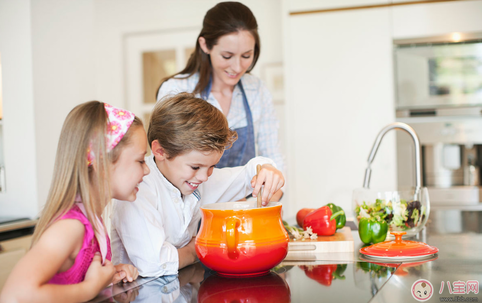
422,290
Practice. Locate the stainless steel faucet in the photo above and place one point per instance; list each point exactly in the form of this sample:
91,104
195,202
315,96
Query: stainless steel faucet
378,140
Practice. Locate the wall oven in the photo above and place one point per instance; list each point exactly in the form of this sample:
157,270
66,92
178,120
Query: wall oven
439,93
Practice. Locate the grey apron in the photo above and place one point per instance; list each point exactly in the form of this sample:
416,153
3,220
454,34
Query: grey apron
243,149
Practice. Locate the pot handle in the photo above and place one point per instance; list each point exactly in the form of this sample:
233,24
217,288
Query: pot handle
232,223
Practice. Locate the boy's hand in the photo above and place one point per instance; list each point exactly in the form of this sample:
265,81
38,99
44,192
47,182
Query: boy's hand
125,273
271,178
127,296
98,275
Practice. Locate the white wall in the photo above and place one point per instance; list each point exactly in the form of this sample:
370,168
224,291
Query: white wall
63,74
340,96
47,62
19,143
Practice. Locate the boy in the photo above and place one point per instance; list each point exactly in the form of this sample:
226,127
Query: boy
187,136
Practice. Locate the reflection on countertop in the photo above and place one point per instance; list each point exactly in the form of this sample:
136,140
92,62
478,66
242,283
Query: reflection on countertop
331,277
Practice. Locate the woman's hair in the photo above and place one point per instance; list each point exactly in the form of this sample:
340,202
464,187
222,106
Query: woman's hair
182,123
84,128
223,19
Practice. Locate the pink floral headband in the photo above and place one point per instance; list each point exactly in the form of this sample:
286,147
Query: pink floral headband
119,121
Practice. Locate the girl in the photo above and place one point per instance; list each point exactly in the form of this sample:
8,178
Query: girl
187,137
227,49
100,156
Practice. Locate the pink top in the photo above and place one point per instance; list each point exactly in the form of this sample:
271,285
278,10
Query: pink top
90,246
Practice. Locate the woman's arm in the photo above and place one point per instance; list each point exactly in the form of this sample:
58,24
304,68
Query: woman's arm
56,249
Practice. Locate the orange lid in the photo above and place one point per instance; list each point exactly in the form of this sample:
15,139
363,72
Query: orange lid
399,249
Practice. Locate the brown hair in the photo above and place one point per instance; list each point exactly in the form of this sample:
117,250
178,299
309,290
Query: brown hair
85,127
182,123
223,19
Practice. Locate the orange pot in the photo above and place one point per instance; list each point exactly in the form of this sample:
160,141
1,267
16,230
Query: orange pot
238,239
268,288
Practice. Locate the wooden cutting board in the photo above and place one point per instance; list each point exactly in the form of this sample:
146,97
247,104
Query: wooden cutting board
340,243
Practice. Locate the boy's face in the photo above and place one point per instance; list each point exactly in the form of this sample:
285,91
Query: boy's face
187,171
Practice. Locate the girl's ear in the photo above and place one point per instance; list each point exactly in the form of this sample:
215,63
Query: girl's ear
202,44
158,152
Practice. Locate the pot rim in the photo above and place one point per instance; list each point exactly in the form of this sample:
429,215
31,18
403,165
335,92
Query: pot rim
238,205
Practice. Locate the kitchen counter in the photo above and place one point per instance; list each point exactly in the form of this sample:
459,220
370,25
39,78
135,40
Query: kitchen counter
11,228
332,278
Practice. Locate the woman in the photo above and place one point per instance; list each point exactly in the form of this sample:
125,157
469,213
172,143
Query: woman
227,49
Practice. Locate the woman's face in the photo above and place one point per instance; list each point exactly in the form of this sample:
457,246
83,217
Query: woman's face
231,57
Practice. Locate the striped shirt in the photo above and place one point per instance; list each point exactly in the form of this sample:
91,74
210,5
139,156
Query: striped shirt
265,122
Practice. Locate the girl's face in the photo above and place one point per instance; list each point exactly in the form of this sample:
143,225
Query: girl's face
231,57
130,168
187,171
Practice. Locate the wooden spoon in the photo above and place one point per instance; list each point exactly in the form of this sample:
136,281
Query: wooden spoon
258,168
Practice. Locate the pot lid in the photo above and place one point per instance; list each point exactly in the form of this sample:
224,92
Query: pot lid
399,249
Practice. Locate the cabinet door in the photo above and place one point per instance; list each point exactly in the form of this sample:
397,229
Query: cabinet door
340,96
307,5
151,57
11,252
434,19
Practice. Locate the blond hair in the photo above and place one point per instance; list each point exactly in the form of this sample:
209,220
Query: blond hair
182,123
85,127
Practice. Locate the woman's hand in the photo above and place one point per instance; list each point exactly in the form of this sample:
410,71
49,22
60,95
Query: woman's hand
125,273
271,178
98,275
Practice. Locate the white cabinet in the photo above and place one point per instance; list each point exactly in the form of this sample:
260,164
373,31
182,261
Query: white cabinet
18,123
340,95
11,251
433,19
307,5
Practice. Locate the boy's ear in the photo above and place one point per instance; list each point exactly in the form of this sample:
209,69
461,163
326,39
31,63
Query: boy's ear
157,150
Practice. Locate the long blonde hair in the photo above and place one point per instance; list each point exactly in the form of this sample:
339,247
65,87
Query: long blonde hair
85,127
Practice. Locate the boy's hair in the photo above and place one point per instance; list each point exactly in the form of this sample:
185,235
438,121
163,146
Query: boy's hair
85,127
182,123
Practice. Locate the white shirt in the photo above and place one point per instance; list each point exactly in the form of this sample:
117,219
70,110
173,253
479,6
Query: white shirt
260,102
147,232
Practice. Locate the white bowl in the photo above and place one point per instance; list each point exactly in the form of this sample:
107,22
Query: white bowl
404,210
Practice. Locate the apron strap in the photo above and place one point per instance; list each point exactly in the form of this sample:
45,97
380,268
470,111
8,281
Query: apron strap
243,149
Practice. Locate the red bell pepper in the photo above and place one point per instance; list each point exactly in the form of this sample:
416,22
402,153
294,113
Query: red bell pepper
322,274
301,214
322,221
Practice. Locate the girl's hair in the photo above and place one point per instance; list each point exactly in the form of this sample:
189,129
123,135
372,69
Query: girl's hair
182,123
85,127
223,19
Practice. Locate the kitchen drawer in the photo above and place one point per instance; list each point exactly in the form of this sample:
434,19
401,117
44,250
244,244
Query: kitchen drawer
11,251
